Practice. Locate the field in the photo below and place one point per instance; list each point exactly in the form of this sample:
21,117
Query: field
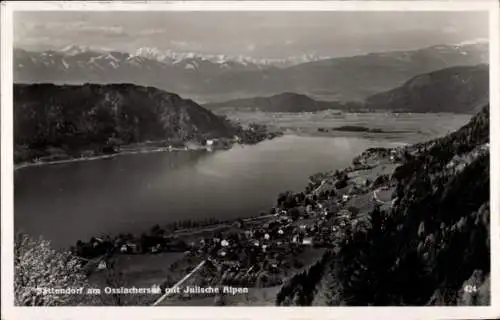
141,271
406,127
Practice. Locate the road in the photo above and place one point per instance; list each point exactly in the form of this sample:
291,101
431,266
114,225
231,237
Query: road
179,283
323,182
377,199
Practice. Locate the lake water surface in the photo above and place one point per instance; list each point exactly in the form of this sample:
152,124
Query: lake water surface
74,201
131,193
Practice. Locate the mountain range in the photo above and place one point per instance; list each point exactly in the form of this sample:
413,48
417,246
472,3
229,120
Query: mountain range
225,61
216,78
462,89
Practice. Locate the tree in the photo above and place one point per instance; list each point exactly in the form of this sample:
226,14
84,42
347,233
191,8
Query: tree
294,214
220,300
38,266
114,279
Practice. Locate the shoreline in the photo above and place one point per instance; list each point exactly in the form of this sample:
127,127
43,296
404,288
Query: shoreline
101,157
129,152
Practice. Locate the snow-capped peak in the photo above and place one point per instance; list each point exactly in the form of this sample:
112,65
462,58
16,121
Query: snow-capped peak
473,41
169,56
74,49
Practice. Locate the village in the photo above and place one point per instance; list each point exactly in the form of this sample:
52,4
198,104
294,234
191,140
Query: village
263,251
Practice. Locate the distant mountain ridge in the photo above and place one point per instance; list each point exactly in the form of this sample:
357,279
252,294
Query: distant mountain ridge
284,102
462,89
75,118
220,78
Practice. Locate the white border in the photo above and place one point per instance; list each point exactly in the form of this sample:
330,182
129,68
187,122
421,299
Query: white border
10,312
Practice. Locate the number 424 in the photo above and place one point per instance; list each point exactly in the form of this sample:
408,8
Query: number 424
470,288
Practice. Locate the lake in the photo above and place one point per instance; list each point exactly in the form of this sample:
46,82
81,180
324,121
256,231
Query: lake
131,193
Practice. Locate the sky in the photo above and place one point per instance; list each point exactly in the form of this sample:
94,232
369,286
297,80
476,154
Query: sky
256,34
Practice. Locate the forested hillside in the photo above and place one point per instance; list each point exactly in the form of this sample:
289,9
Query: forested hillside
431,248
71,119
462,89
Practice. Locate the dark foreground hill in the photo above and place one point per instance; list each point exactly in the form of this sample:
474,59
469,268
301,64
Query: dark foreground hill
430,247
76,118
284,102
461,89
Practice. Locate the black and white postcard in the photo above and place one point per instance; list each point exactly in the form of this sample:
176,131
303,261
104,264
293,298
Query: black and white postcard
298,158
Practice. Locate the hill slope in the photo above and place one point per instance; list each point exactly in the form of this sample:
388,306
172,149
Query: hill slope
431,246
461,89
90,116
284,102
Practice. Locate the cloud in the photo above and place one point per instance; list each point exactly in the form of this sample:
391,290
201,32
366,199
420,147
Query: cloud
150,32
103,29
65,30
254,33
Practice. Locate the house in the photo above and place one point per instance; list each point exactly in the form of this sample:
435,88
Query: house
309,209
273,263
307,241
283,219
248,233
222,253
344,214
129,248
217,143
102,265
